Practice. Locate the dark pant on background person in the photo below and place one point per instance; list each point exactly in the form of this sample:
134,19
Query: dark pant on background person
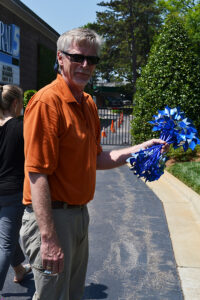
11,211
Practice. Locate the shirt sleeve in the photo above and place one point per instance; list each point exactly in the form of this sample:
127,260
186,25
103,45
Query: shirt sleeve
41,138
98,136
97,125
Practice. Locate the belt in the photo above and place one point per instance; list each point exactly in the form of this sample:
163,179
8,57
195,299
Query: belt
64,205
58,205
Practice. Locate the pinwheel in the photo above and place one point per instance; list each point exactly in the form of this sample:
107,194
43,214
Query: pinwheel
175,129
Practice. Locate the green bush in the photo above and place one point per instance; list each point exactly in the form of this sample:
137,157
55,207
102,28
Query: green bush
27,96
180,156
171,77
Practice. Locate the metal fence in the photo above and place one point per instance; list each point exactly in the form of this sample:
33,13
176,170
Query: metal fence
115,125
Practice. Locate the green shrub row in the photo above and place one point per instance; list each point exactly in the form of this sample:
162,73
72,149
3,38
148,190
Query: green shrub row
171,77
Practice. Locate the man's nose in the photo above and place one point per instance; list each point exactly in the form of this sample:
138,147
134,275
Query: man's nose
85,63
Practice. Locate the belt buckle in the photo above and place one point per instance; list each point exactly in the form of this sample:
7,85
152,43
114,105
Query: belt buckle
29,208
65,205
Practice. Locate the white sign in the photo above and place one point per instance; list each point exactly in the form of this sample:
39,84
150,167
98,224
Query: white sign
9,74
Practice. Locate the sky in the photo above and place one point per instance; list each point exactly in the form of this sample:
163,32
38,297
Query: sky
63,15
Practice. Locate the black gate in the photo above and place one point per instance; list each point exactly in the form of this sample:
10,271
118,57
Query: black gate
115,125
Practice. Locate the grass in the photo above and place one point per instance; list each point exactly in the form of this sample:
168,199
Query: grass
188,173
185,166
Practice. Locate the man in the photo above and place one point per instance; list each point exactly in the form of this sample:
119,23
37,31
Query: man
62,153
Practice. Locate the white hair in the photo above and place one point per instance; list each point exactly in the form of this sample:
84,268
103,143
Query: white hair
79,36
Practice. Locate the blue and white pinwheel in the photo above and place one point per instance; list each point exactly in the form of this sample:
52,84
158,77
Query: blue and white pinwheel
175,129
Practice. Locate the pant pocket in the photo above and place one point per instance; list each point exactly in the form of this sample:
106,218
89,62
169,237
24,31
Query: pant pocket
31,240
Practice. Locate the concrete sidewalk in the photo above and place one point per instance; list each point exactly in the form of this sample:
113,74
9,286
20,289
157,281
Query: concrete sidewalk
182,209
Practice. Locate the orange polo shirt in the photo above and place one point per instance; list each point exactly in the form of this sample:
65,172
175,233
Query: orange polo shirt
62,140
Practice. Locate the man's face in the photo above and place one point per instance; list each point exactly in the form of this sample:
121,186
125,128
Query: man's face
77,74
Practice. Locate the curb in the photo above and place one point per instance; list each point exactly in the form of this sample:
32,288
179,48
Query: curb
182,209
185,191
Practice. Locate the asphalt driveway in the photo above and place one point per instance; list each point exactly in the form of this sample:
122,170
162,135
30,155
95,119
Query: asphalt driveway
131,256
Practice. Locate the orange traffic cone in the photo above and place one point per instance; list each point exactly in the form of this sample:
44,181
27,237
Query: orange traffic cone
103,133
121,117
112,128
119,123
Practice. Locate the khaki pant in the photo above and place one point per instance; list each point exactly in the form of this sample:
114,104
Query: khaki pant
72,229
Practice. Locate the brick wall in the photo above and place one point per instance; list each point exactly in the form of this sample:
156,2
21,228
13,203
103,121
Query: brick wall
30,39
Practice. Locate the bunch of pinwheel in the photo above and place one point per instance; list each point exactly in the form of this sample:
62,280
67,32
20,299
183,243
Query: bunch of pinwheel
175,129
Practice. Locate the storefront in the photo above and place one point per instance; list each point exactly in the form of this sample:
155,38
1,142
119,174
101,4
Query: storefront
27,47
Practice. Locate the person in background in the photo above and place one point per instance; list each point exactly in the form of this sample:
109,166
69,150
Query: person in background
62,153
11,182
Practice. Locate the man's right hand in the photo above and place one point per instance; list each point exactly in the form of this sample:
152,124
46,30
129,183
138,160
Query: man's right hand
51,251
52,255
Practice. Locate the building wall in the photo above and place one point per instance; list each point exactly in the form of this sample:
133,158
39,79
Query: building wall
30,39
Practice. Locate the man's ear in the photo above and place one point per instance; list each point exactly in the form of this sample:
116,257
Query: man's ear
60,58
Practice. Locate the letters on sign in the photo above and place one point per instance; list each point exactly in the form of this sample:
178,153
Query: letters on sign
10,39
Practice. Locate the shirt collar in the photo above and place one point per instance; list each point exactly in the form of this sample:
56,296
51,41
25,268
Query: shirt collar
66,92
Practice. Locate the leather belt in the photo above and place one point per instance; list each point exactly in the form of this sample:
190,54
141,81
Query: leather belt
58,205
64,205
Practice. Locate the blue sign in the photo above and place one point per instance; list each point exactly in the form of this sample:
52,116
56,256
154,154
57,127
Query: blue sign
15,41
9,54
10,39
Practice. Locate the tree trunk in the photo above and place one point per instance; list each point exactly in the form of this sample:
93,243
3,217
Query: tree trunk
133,48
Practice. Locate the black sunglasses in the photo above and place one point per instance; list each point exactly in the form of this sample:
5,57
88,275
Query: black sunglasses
79,58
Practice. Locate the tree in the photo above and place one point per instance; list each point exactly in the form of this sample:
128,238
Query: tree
171,77
192,23
127,27
189,10
180,7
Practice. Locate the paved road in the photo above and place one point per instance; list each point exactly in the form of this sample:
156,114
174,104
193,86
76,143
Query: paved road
131,255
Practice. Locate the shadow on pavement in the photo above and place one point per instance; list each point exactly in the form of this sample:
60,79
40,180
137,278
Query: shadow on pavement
95,291
28,289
